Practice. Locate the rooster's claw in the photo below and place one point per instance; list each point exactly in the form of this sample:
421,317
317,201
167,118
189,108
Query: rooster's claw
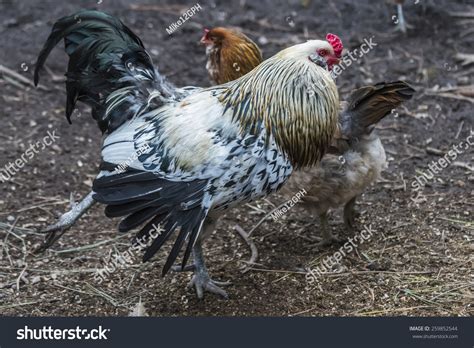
202,282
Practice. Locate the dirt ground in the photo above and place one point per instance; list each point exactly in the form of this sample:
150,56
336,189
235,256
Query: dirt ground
417,263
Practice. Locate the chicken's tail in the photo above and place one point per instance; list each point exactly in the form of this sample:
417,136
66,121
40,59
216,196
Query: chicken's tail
368,105
104,57
148,200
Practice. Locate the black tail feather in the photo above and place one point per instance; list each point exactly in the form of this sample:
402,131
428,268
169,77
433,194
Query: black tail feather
104,56
137,217
176,206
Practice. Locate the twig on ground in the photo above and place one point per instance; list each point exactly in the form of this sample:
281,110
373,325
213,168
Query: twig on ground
264,218
257,209
463,165
38,206
387,311
54,77
17,77
251,244
7,227
5,242
20,278
89,246
459,93
434,151
461,14
13,82
465,58
461,125
103,294
20,304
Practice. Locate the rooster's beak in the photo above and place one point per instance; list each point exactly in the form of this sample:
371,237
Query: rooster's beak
333,61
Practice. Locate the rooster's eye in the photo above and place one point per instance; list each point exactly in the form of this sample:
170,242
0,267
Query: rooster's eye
322,52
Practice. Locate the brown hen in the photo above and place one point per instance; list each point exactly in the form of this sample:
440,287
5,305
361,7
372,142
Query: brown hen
230,54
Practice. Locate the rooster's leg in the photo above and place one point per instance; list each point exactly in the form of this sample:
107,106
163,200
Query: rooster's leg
201,280
350,214
327,237
65,221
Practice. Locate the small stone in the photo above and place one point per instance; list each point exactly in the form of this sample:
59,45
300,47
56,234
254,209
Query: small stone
460,183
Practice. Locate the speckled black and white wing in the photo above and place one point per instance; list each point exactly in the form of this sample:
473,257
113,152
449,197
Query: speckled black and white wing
196,160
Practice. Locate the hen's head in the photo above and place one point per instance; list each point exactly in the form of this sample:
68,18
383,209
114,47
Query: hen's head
218,36
210,38
328,51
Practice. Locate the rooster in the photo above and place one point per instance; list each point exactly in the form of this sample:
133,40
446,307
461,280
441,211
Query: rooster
357,156
230,54
105,55
210,150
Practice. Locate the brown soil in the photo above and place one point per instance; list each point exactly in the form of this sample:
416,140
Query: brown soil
419,261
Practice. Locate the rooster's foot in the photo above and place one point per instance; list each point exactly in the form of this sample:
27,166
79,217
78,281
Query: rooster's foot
202,282
65,222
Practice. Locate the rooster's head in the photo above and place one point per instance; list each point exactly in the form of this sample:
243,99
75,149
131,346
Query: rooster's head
328,52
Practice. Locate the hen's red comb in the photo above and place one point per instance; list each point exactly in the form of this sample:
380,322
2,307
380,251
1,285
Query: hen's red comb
206,35
336,44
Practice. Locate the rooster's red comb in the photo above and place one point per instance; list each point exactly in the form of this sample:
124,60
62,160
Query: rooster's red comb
336,44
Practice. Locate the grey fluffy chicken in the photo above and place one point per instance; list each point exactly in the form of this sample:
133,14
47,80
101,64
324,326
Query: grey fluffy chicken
356,157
